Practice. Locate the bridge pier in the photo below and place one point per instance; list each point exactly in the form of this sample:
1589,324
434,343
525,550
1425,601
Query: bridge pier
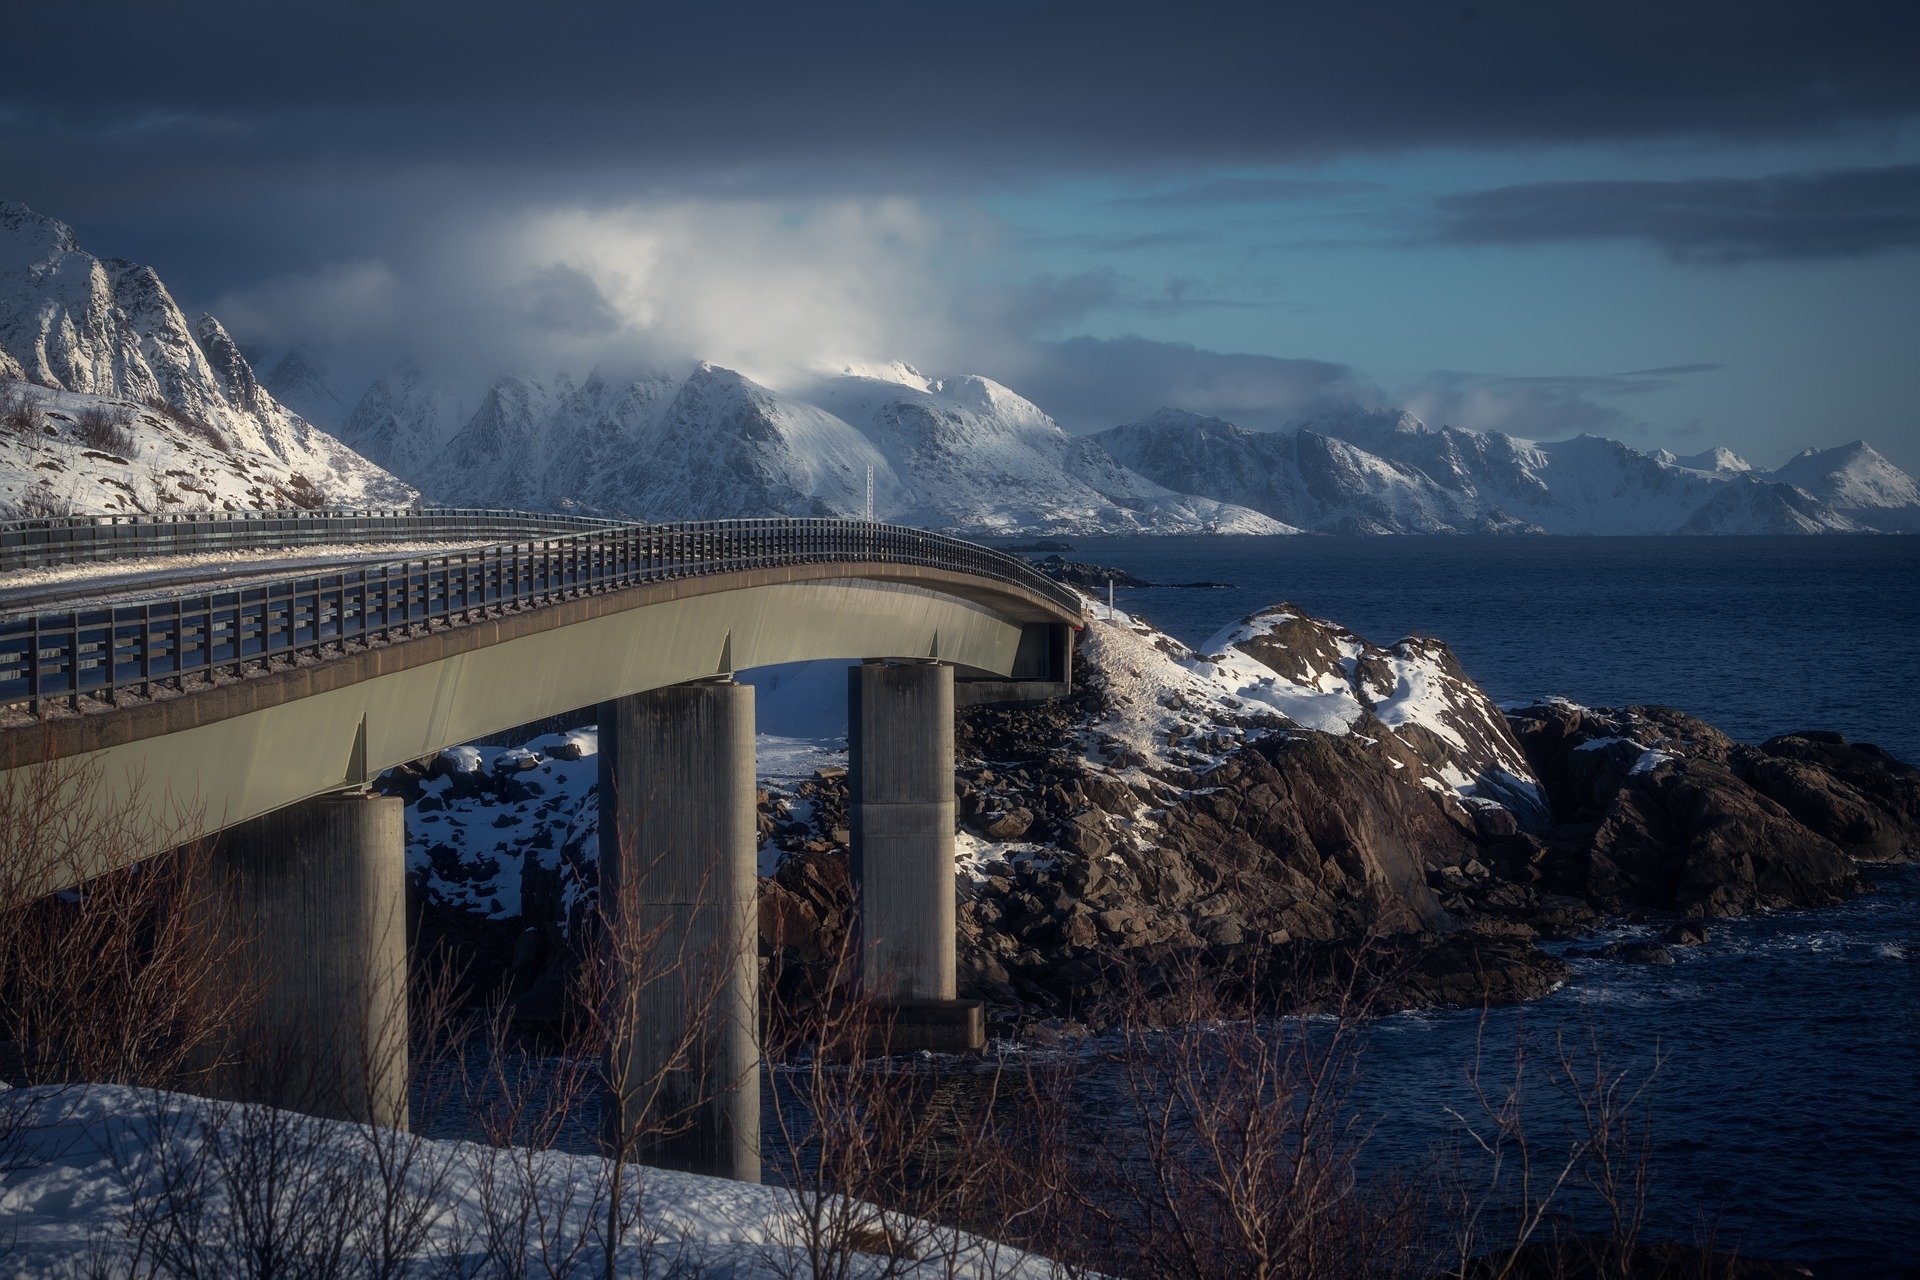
678,863
900,778
318,892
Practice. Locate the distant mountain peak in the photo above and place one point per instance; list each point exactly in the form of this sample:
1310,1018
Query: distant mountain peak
1717,459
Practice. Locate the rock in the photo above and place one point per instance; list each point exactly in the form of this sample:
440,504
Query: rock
1854,794
1010,825
1685,933
1087,834
1638,953
1469,970
1695,840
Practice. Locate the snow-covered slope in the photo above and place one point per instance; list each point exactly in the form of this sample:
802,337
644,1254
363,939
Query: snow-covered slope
1170,706
70,453
709,442
1749,505
1305,478
1717,459
107,330
102,1179
1855,480
1364,471
976,456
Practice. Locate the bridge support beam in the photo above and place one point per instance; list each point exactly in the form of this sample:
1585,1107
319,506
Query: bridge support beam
900,775
678,855
318,891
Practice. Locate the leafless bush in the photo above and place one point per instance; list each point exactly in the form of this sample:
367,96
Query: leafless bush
19,408
887,1166
221,1188
1229,1151
529,1096
40,503
1511,1220
300,491
194,426
103,428
114,969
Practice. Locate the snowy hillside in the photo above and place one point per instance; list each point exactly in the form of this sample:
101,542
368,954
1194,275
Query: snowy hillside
1365,471
965,454
1855,480
102,339
101,1179
1305,478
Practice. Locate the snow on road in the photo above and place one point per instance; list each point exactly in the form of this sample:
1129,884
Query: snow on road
150,577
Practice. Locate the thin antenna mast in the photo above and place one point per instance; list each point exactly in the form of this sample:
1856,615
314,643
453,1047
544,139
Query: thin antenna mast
869,493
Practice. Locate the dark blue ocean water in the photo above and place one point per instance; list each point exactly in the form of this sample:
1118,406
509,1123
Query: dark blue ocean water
1786,1100
1758,635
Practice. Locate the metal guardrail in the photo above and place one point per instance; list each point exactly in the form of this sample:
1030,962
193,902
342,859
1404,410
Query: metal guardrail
41,544
64,661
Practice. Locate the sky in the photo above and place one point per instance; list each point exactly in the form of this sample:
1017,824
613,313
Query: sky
1681,224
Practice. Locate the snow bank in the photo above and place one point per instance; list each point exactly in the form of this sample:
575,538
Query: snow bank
84,1166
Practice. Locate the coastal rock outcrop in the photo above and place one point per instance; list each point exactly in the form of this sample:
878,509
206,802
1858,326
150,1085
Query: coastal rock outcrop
1657,810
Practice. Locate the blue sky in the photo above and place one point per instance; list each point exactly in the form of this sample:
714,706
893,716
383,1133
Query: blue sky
1682,224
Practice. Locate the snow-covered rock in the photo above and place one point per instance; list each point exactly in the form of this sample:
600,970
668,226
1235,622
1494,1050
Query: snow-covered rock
86,335
1170,706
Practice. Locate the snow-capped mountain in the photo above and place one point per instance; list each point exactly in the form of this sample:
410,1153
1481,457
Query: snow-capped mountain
965,453
1386,471
1859,483
115,402
111,400
1306,478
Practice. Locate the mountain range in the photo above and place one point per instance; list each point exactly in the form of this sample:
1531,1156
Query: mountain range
84,336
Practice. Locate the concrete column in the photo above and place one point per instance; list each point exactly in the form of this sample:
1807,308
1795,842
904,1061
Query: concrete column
900,739
678,864
318,893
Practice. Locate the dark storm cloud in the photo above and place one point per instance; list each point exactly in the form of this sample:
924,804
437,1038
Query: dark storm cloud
1092,383
222,92
1834,214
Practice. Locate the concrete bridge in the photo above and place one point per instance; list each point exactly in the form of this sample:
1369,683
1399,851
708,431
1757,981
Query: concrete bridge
251,702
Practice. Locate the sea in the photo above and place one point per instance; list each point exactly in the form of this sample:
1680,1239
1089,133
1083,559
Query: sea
1778,1065
1776,1069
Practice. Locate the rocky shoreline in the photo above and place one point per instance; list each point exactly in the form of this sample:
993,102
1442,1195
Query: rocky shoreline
1269,809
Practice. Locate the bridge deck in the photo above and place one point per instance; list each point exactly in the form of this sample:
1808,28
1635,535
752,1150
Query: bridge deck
229,704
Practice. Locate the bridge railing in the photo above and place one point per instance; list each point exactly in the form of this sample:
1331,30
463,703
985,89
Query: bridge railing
41,544
85,658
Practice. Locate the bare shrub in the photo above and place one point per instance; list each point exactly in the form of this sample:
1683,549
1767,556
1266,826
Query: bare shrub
106,975
114,967
19,408
197,427
103,428
887,1166
299,491
1510,1199
41,503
